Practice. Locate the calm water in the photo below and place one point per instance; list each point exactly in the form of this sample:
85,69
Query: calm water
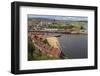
74,46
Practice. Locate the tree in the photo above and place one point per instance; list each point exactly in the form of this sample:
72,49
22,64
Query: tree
31,49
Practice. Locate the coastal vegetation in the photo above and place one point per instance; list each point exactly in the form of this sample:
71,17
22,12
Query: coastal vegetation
35,53
70,25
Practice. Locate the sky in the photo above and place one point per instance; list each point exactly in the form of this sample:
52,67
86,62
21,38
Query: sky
67,18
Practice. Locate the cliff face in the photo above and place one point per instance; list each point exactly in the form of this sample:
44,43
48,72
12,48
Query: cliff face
53,42
45,48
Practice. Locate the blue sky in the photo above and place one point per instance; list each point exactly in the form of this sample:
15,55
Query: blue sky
69,18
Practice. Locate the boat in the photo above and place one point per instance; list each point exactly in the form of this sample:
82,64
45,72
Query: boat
57,35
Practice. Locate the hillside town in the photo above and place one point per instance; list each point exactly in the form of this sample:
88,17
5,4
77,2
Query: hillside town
56,26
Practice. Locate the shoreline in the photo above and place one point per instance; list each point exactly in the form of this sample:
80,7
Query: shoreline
71,33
